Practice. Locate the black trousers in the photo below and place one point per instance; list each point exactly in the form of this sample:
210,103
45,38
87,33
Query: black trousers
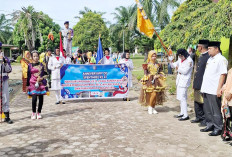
34,103
199,111
212,110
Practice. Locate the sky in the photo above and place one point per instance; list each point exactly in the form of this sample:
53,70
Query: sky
66,10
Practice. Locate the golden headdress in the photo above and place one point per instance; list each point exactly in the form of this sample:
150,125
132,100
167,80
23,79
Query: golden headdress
150,54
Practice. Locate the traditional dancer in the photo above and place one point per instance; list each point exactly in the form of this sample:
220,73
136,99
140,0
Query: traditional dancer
54,64
152,92
126,60
5,70
24,63
183,80
36,82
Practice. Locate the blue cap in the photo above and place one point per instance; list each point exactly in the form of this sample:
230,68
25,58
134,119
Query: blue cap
66,22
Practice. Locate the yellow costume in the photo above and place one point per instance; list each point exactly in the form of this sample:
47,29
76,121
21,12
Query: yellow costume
91,59
24,63
152,92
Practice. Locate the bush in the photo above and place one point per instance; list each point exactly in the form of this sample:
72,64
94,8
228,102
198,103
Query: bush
18,59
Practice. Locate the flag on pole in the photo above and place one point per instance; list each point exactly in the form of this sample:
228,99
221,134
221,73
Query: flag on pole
61,45
144,24
99,51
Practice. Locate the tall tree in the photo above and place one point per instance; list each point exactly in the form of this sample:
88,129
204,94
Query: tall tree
32,29
123,17
28,24
87,30
5,29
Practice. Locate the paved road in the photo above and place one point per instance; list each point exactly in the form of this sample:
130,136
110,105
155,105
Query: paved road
104,128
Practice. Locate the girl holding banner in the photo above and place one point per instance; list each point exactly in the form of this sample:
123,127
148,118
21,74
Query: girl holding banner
152,92
126,60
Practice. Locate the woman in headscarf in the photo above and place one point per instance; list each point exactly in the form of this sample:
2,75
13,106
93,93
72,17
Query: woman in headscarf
24,63
91,59
126,60
152,92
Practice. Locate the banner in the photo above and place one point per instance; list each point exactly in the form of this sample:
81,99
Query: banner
94,81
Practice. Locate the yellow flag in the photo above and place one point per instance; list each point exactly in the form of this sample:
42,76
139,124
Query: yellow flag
143,22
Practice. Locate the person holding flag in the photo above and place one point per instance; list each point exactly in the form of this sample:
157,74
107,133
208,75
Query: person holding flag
54,64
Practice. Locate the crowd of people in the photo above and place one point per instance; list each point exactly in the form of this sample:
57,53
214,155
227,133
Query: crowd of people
210,81
41,73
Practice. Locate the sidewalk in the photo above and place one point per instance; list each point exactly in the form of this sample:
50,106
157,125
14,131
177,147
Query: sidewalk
102,128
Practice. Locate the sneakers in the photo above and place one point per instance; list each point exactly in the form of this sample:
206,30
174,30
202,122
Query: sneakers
152,110
39,116
33,116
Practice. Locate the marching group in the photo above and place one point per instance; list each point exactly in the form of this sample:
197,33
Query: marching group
39,76
210,82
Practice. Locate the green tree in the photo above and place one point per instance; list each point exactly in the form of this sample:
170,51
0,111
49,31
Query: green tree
87,30
32,29
123,17
5,29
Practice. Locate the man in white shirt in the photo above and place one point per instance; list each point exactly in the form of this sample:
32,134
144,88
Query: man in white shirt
213,80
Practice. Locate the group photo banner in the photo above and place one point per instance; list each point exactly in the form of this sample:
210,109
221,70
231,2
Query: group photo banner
93,81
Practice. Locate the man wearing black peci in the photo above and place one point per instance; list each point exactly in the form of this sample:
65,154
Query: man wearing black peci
197,82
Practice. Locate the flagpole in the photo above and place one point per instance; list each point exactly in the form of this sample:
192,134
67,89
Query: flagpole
123,40
161,41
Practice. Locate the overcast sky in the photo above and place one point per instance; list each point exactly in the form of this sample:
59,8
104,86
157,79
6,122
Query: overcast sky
66,10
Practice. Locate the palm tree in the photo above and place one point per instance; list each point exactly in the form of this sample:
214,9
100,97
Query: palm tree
28,24
123,17
5,29
157,10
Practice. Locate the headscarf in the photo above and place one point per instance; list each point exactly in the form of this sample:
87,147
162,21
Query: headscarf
25,55
89,55
150,54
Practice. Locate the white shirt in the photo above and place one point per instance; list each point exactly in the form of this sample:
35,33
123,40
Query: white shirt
107,61
67,60
185,69
215,67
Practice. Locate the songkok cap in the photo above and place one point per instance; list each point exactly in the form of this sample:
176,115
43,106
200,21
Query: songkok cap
214,43
204,42
66,22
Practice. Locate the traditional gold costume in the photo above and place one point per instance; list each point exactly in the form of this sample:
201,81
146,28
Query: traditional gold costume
152,92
